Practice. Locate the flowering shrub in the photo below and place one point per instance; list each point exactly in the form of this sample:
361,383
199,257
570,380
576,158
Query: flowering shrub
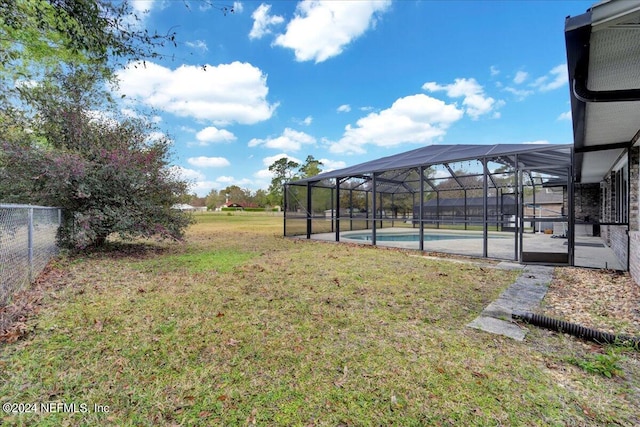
115,182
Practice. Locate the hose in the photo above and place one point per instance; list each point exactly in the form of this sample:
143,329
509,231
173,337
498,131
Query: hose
578,330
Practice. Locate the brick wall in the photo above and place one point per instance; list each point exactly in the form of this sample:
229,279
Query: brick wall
634,258
619,242
587,202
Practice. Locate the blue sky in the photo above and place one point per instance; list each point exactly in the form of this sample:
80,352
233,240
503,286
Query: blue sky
348,81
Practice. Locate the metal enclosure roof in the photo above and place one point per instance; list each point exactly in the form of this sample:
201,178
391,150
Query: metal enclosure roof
546,158
603,60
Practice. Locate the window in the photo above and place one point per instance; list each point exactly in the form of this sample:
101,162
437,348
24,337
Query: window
621,185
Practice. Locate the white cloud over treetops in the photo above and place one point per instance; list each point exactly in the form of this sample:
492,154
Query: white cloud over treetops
223,94
188,174
208,162
265,175
475,101
322,29
290,140
330,165
412,119
262,21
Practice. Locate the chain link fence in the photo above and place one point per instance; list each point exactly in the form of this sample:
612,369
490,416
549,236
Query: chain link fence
27,243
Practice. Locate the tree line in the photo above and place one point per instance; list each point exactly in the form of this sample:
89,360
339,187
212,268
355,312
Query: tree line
283,170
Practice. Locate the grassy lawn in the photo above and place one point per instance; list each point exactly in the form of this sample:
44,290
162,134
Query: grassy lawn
239,326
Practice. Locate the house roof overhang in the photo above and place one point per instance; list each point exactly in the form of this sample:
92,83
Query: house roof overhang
603,61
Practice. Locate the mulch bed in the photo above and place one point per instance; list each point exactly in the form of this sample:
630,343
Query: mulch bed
601,299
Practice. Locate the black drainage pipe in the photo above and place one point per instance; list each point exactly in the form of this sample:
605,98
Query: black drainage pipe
578,330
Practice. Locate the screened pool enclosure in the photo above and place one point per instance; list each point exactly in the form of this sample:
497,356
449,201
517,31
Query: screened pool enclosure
506,201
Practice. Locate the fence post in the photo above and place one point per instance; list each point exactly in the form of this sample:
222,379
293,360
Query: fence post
30,244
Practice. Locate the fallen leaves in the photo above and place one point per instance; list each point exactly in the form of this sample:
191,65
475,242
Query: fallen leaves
600,299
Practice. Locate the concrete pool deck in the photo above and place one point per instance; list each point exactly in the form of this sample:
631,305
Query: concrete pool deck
589,252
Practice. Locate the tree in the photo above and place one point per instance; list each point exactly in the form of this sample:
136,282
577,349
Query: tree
45,34
283,171
261,198
311,167
214,199
235,194
196,201
103,170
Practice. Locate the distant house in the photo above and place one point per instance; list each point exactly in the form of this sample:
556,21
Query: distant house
184,207
232,205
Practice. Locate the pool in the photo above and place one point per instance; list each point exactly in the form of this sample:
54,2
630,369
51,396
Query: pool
410,237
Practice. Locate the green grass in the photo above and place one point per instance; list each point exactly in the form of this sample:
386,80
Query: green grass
239,326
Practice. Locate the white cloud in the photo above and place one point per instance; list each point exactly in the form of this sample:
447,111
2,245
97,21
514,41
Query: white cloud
565,116
330,165
223,94
290,140
475,101
142,6
202,188
155,136
128,112
412,119
344,108
556,78
225,179
213,134
268,161
262,21
198,44
238,7
520,77
188,174
208,162
304,122
264,176
198,182
494,70
133,114
322,29
519,93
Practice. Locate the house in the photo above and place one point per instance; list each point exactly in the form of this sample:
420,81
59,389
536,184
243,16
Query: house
183,207
603,60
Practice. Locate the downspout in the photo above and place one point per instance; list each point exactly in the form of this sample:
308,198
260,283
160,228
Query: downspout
628,207
572,214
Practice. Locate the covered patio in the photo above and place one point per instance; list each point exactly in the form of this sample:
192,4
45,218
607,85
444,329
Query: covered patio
477,200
